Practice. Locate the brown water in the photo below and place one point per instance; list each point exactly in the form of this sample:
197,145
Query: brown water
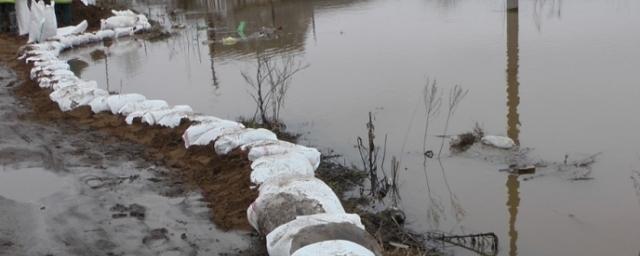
559,77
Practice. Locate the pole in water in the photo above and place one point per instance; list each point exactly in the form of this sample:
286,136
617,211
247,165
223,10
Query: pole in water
512,5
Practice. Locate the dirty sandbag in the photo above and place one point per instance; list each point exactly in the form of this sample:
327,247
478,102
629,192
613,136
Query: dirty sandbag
334,248
121,21
147,105
267,148
498,141
64,92
280,240
155,116
72,30
174,118
116,102
280,166
76,96
50,67
22,16
208,129
282,200
231,141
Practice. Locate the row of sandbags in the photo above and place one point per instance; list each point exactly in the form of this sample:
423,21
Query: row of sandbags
298,213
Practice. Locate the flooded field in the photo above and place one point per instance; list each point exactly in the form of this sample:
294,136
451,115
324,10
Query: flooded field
559,77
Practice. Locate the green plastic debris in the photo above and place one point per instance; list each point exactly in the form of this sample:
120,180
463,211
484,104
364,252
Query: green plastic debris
241,28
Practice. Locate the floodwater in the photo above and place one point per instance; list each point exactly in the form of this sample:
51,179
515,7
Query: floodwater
559,77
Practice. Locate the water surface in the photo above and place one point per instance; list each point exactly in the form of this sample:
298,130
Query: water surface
559,77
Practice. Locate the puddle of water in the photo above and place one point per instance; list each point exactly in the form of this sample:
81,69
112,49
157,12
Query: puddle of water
558,77
29,185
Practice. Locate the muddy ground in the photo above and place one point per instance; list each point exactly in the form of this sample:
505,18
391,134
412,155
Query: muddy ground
69,190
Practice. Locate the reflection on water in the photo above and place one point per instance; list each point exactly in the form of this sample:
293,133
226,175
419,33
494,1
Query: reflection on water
513,201
375,55
513,123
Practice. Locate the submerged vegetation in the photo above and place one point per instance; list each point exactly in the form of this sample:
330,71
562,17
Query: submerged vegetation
269,85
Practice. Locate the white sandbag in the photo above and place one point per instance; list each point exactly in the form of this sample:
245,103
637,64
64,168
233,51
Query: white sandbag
57,84
124,13
22,16
145,105
50,67
116,102
72,30
267,148
64,92
279,240
165,117
122,32
106,34
498,141
281,200
209,129
280,166
121,21
333,248
36,19
88,2
231,141
99,104
75,96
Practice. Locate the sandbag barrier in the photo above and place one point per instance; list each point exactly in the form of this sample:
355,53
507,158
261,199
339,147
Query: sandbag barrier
299,214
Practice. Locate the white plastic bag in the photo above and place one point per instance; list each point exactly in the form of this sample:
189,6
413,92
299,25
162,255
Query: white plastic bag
279,240
22,16
42,24
280,166
228,142
281,200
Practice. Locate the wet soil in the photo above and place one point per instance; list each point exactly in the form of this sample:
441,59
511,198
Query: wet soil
224,180
70,190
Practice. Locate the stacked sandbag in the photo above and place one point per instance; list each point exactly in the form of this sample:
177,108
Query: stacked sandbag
299,214
328,230
282,200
